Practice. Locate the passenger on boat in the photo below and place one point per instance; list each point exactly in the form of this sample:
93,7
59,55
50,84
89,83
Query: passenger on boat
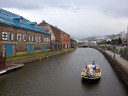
93,63
88,72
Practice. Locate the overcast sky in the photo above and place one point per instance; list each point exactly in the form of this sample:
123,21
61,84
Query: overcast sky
79,18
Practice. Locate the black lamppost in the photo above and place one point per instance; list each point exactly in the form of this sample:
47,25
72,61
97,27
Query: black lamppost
114,50
114,46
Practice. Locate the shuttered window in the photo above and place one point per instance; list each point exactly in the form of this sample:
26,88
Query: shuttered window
30,38
11,36
36,39
39,39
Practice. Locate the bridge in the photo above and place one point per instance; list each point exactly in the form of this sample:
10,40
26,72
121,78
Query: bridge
83,45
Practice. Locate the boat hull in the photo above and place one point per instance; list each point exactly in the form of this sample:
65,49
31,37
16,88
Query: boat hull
87,77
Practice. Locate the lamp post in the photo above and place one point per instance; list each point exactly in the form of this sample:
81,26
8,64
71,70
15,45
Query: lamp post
114,50
114,46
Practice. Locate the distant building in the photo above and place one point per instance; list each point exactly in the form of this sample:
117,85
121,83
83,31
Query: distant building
73,43
20,36
116,36
92,42
100,39
108,39
123,34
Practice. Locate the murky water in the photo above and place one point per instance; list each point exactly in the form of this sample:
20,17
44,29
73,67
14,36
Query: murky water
60,76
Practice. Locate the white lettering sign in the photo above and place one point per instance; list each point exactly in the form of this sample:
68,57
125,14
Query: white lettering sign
4,35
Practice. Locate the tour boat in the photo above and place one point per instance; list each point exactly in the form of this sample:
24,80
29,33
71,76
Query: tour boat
91,72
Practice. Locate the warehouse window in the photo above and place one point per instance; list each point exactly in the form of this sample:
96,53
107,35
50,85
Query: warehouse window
19,37
39,39
44,40
47,39
24,37
30,38
11,36
36,39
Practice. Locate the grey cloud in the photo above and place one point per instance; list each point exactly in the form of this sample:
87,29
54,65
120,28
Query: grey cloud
85,17
19,4
114,8
29,4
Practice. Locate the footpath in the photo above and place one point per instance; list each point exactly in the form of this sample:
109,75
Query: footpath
119,64
119,58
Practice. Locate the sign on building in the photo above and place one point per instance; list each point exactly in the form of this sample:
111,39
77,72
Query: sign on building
4,36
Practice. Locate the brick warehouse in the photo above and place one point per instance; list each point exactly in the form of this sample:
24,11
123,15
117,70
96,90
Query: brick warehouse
59,38
65,40
20,36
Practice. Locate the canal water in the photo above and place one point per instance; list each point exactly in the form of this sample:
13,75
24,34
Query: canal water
60,76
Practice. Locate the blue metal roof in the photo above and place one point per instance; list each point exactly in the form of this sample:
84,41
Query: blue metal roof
9,18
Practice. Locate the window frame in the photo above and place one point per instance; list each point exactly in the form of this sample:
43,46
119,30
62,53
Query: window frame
18,39
36,39
39,39
24,37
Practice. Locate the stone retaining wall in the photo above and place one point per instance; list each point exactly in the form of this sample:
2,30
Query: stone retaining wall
121,71
33,58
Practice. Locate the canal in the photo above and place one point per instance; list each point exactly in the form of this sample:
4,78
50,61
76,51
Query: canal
60,76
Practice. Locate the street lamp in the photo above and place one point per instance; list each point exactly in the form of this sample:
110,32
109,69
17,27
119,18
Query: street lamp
114,46
114,50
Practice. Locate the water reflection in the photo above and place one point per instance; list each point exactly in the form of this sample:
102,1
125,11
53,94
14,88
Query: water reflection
90,83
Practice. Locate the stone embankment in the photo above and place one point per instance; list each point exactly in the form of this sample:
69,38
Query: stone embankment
119,64
10,68
36,57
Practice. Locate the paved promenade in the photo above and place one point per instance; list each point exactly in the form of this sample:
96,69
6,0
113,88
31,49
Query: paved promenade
120,59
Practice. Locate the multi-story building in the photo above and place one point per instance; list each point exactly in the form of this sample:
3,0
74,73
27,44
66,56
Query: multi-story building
55,34
20,36
123,34
59,39
65,39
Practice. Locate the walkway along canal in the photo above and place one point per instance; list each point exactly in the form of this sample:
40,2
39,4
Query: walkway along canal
60,76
